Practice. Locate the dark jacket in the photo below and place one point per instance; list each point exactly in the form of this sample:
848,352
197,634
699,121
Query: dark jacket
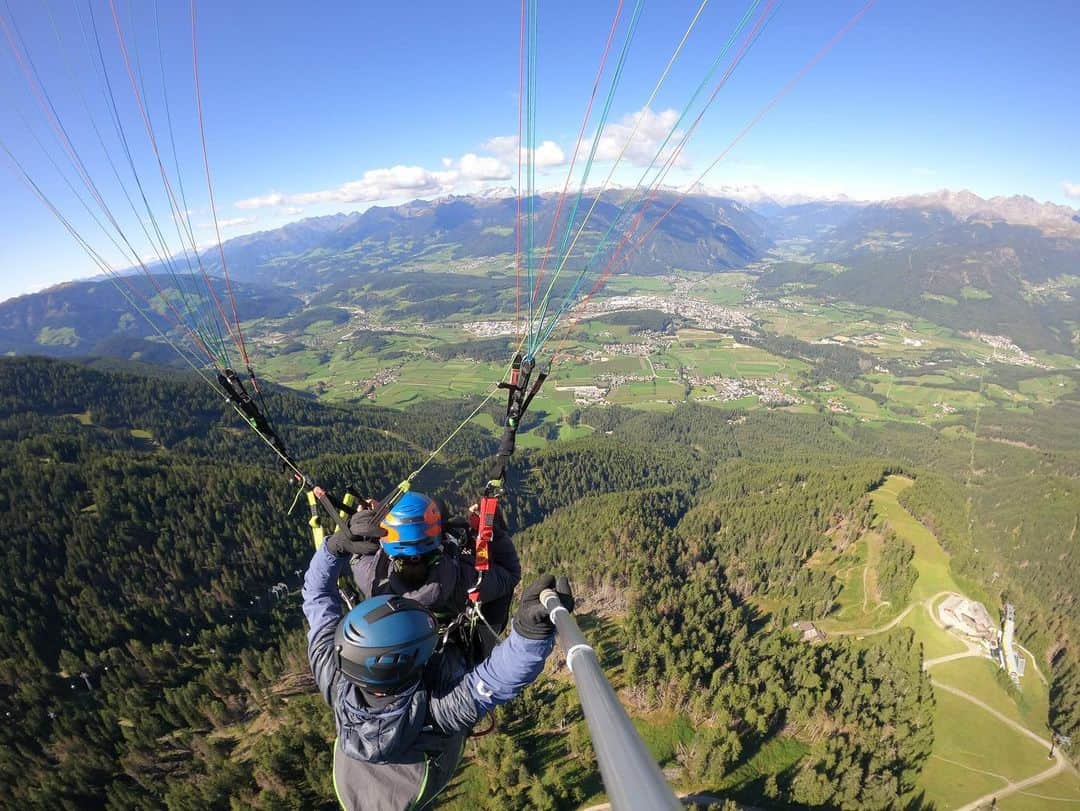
402,755
448,583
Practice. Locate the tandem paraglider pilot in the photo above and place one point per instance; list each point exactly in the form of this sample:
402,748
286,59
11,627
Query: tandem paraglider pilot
401,707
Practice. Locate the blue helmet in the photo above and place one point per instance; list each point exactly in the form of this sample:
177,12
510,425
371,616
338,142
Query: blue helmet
383,644
413,527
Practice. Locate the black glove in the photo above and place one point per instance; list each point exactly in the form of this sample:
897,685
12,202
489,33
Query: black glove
360,537
532,620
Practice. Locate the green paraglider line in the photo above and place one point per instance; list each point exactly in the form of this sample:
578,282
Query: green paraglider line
640,188
570,299
616,77
621,254
580,138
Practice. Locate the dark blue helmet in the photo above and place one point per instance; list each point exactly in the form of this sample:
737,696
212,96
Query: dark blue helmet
383,644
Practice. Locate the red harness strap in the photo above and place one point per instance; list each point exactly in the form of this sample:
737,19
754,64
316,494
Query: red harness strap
484,526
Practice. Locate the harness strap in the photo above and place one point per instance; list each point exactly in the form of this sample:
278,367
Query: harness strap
485,530
318,534
382,572
238,395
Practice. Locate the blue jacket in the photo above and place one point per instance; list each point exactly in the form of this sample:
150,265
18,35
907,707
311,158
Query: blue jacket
402,755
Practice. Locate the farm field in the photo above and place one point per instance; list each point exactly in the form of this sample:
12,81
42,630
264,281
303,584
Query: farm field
398,363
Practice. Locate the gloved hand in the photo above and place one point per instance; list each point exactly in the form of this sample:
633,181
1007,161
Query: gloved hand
361,537
532,620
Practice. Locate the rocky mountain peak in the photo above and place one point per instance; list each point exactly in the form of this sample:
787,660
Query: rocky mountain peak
1019,209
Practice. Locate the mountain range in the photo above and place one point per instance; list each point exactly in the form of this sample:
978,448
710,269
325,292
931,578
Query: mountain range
1006,265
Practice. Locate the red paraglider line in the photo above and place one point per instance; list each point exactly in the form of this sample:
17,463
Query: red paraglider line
210,189
673,158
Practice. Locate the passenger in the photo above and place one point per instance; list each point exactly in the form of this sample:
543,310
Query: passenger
417,557
402,714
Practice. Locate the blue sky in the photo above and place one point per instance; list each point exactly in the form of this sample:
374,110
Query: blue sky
324,107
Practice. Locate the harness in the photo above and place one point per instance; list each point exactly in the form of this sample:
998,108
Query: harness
518,397
467,629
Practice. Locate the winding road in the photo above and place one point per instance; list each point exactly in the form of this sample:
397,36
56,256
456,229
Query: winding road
1010,788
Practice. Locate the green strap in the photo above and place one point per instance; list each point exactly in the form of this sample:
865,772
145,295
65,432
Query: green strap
333,774
419,801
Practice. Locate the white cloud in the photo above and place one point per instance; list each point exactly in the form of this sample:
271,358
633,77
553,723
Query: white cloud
383,184
472,172
1072,190
236,222
640,135
549,154
475,167
503,146
272,199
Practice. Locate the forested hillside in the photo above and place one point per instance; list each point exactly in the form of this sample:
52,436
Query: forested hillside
152,643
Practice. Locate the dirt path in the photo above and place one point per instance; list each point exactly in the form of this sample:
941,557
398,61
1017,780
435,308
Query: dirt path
1013,788
861,632
1023,730
958,764
1059,766
928,604
1010,787
972,651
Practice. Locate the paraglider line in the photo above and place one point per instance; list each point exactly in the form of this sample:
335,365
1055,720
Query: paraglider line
563,251
742,134
45,102
174,204
751,38
210,189
517,217
577,146
641,187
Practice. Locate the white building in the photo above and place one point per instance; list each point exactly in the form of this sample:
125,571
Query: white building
967,617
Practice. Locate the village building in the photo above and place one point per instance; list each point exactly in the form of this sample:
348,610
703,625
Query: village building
809,632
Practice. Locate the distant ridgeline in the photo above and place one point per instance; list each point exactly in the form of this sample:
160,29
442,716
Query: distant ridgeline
94,317
151,661
992,266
